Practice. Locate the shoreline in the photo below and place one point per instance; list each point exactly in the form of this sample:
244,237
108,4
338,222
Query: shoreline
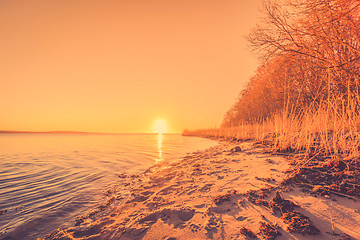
205,195
79,170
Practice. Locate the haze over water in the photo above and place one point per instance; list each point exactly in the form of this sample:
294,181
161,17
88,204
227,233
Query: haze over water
48,179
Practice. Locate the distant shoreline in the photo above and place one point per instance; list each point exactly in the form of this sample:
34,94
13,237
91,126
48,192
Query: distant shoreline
73,132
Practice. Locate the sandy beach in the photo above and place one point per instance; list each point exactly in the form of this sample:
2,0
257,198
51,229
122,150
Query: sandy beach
231,191
105,102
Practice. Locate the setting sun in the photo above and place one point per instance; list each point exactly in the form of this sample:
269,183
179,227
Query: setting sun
160,126
183,108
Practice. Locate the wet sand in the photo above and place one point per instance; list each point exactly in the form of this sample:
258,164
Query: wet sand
206,196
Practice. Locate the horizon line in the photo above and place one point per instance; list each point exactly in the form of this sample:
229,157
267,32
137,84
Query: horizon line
76,132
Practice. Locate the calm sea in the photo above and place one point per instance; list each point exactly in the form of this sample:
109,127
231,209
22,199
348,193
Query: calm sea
48,179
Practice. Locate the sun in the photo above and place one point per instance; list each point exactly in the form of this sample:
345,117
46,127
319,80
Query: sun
160,126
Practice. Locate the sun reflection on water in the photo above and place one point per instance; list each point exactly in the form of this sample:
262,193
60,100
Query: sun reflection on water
160,139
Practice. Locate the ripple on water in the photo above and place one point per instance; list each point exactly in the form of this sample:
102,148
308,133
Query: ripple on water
46,180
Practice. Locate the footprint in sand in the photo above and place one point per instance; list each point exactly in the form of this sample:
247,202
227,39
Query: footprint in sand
206,187
212,225
163,178
92,230
170,216
168,190
195,228
141,197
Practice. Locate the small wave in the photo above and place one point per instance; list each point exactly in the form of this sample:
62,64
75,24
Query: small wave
42,180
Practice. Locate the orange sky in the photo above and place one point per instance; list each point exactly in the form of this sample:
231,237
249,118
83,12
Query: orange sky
118,65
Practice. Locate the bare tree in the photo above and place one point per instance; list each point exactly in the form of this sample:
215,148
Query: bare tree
310,52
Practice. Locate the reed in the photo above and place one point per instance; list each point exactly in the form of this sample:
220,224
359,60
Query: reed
330,128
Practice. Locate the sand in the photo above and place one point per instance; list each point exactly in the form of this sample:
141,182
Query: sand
202,196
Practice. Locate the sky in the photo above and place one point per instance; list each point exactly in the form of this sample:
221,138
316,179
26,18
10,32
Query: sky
120,65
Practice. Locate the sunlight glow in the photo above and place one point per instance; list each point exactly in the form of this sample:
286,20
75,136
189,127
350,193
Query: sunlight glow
160,126
160,139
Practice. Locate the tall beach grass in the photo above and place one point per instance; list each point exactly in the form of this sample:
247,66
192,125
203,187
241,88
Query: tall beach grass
332,128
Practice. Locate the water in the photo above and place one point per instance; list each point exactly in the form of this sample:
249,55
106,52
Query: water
48,179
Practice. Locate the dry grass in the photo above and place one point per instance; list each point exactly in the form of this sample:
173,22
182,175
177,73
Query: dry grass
331,129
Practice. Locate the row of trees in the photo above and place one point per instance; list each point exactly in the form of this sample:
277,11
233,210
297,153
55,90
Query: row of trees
309,52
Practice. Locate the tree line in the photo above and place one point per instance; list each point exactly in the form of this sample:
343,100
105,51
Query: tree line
309,52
